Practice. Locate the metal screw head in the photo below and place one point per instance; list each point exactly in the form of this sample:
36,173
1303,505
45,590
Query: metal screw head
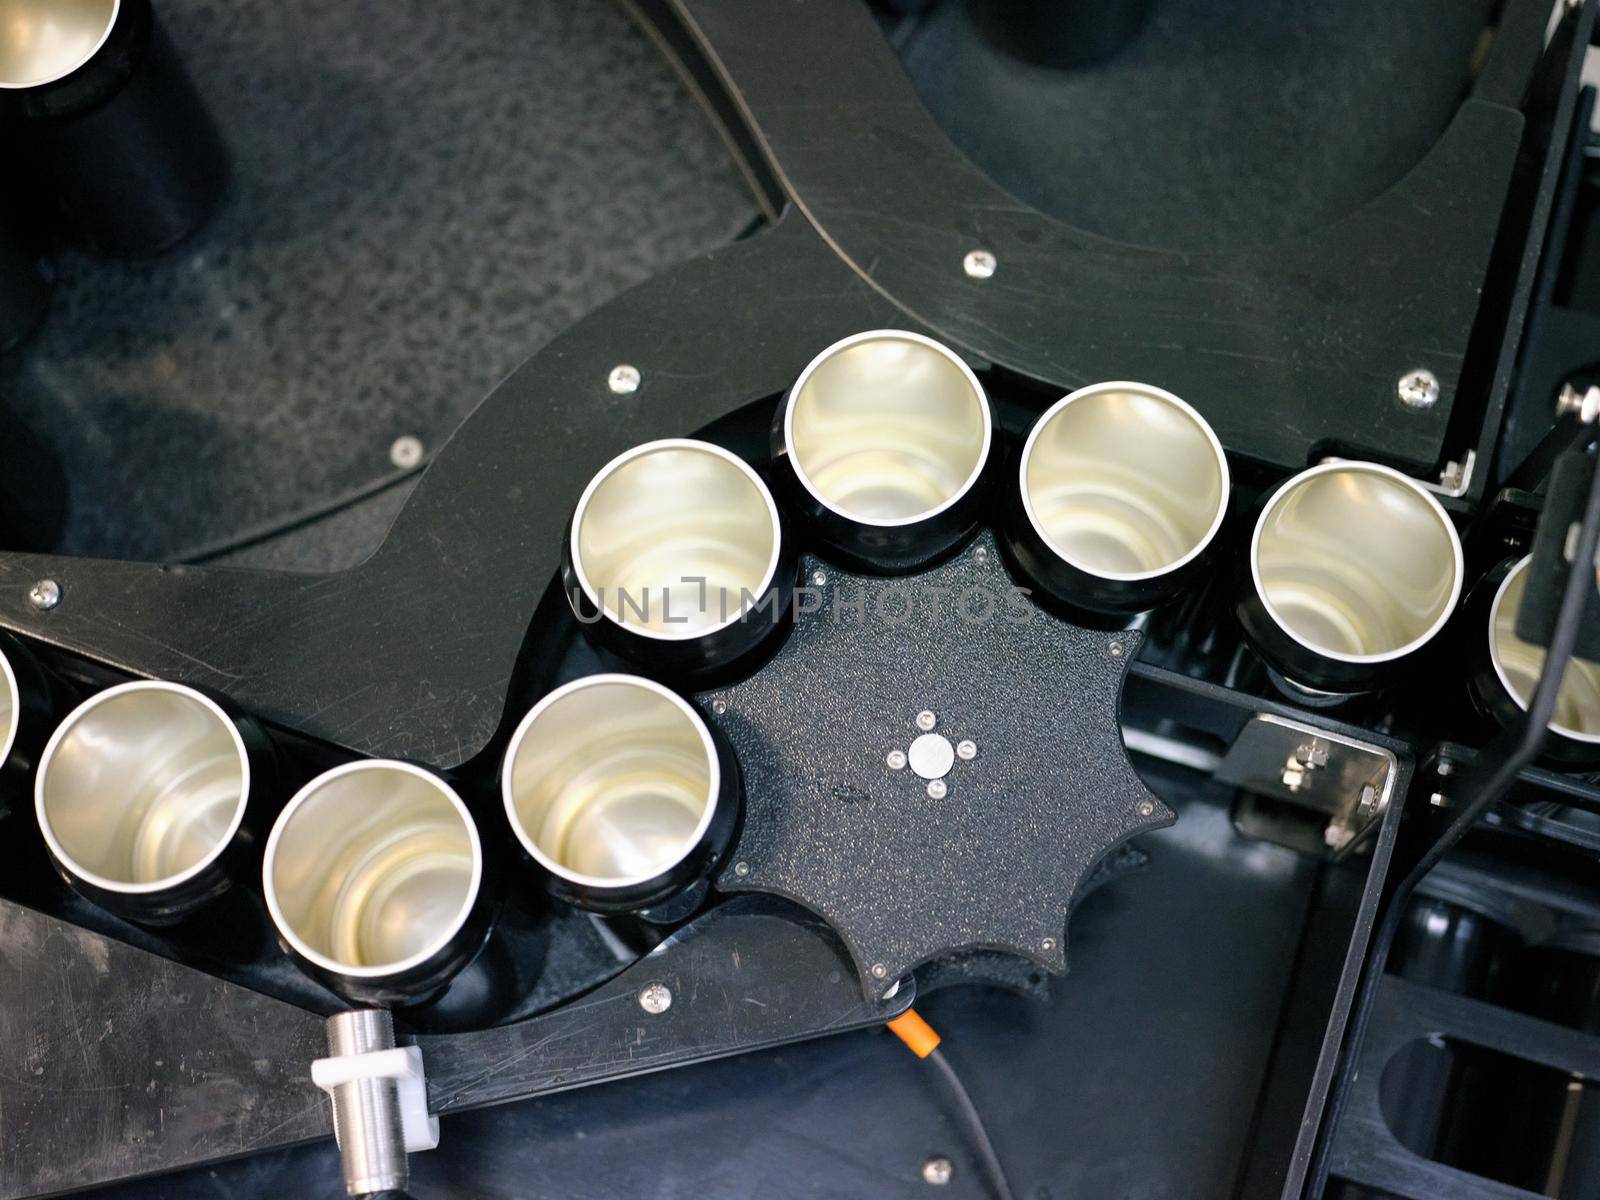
1146,808
937,1170
896,760
405,452
966,750
926,720
1418,389
819,578
741,869
979,264
624,379
1585,404
719,706
980,555
1048,945
937,789
45,595
1115,648
879,971
655,998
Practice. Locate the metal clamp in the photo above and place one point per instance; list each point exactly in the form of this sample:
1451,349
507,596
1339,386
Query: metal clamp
1345,782
380,1101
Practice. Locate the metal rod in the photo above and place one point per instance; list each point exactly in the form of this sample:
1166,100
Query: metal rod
366,1112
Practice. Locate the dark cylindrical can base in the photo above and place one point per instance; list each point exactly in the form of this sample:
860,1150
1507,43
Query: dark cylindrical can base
124,145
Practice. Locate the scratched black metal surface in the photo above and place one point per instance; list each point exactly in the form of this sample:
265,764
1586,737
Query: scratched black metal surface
752,972
904,878
116,1063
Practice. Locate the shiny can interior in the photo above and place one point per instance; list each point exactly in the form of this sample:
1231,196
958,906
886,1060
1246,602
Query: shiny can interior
1356,562
610,781
887,428
45,40
141,786
10,706
1124,480
676,539
372,868
1519,664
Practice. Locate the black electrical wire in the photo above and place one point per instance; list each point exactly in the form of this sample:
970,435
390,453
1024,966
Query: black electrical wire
975,1129
196,555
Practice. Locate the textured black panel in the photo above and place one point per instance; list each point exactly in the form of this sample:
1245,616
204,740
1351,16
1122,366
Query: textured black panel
902,877
422,195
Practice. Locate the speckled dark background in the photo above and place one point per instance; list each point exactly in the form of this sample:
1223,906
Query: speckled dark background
422,195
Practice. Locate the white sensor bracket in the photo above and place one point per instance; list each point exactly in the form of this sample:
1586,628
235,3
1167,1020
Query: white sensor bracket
403,1064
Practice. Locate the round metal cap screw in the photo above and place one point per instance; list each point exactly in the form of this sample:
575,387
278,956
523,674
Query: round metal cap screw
656,998
741,869
1048,945
1585,404
926,720
1115,648
45,595
1418,389
819,578
937,1170
879,971
979,264
1146,809
624,379
966,750
896,760
405,452
937,789
980,555
719,707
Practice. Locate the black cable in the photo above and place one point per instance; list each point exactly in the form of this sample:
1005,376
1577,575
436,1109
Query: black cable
261,533
980,1136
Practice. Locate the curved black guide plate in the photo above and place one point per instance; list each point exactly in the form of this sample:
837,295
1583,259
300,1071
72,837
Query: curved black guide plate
411,654
119,1063
1288,348
902,877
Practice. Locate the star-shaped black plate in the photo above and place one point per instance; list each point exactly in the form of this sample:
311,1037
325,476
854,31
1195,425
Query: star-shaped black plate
904,876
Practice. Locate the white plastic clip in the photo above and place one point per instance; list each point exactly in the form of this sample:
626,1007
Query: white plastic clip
403,1064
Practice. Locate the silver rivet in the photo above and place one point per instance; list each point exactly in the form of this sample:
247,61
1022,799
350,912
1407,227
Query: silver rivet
1048,945
879,971
719,706
896,760
405,452
937,789
1115,648
624,379
979,264
741,869
980,555
1146,808
656,998
819,578
937,1170
45,595
926,720
966,750
1418,389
